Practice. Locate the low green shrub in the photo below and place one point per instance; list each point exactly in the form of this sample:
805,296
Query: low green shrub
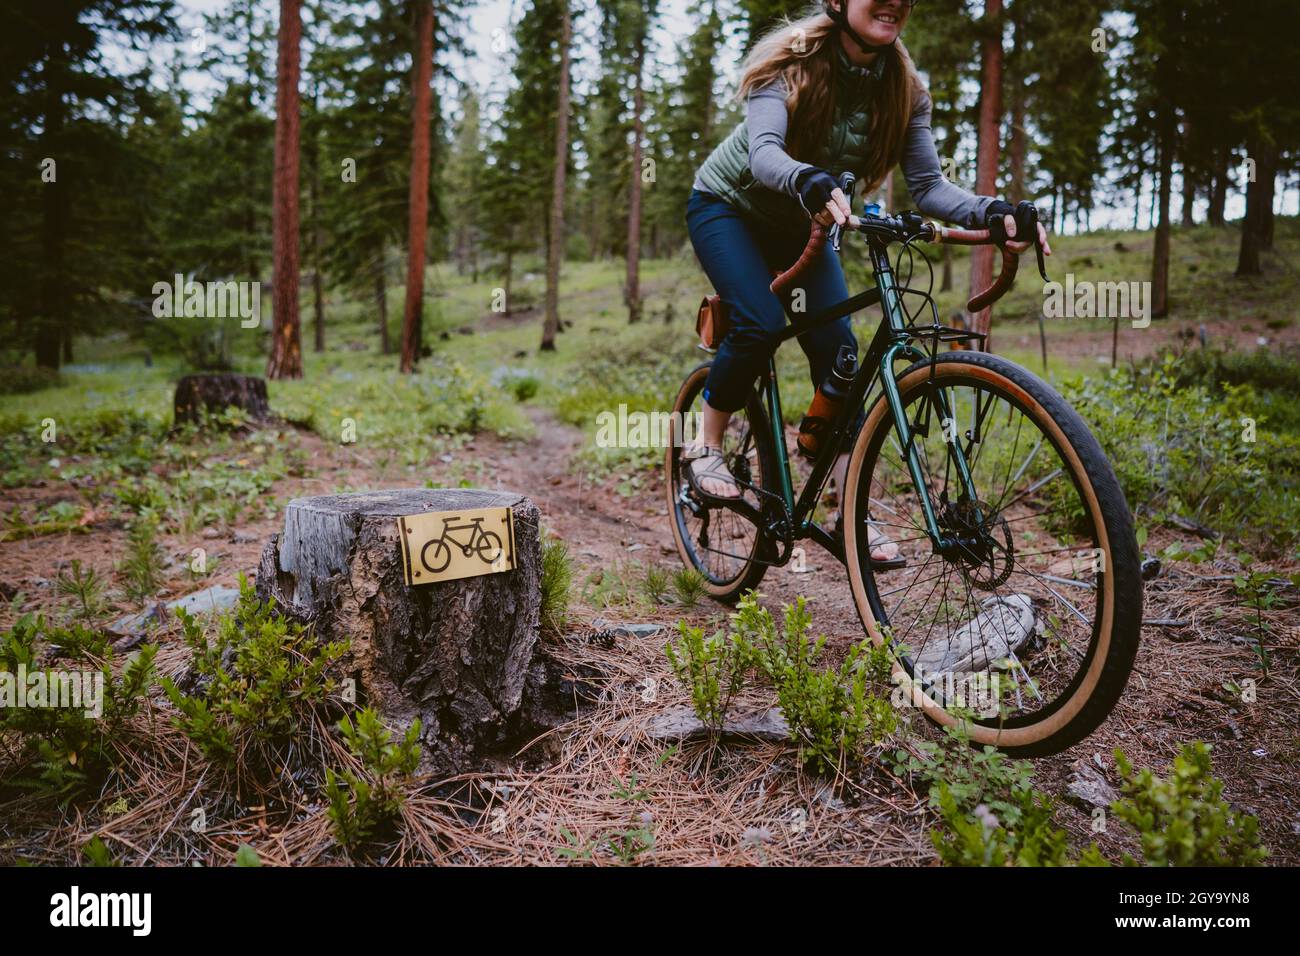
360,803
68,750
979,838
690,586
557,583
712,669
972,776
833,713
1182,819
257,679
1184,449
24,379
141,569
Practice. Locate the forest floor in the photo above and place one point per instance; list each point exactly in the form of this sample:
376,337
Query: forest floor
598,789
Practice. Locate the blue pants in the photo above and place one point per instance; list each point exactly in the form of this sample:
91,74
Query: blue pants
739,257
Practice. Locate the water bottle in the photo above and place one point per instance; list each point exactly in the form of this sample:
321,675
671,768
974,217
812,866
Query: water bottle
827,402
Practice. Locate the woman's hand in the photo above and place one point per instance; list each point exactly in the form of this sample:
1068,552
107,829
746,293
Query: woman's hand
1005,222
837,209
822,197
1020,247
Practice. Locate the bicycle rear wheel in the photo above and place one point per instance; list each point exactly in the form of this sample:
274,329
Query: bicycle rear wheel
1032,618
719,543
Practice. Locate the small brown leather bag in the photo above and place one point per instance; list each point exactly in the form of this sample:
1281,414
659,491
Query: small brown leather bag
713,321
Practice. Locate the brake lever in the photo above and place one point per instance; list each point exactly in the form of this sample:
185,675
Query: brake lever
1038,247
846,182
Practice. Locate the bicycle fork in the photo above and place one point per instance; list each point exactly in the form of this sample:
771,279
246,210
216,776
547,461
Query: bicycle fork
907,443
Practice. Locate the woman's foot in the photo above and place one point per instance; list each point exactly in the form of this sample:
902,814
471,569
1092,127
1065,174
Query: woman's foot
709,469
884,553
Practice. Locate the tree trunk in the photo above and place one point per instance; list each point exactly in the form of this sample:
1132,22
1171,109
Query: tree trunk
381,303
1218,192
318,294
199,394
418,204
986,169
555,245
1018,146
1258,194
54,216
632,291
1160,255
318,297
1265,207
286,335
457,654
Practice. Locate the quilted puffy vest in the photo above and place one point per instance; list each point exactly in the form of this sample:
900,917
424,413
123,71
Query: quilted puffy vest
726,172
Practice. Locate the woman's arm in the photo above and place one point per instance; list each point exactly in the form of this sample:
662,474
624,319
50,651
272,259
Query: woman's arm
932,193
766,120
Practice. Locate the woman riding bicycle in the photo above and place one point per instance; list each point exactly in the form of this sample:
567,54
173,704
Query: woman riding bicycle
833,91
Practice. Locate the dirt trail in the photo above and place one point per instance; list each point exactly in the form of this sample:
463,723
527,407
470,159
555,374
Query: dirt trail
602,527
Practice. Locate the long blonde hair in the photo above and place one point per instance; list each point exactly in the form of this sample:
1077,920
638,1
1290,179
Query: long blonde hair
808,68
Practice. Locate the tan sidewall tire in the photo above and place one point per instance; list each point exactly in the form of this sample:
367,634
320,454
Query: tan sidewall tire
998,737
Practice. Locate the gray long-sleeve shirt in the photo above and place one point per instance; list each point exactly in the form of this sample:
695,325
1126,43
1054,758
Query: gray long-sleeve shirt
766,120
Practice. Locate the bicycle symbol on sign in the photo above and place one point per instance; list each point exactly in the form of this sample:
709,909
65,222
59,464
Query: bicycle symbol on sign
486,544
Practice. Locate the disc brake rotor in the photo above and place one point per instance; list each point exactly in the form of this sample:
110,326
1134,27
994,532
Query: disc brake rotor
986,556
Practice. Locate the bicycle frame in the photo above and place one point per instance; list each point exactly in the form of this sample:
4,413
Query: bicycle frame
891,343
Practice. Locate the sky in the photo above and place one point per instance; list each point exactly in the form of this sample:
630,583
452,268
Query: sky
489,22
489,27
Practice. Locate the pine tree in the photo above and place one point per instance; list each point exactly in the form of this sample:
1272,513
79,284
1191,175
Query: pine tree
641,18
555,239
990,147
520,177
463,181
67,163
364,76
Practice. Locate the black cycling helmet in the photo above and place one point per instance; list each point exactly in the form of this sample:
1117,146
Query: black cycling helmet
840,19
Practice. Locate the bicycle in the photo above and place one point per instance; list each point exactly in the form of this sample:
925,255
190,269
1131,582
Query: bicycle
1022,574
487,544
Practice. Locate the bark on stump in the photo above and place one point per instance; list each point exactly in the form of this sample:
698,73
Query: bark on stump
215,393
463,655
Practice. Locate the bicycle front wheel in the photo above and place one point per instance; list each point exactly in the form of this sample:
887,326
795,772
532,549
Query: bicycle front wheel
1027,623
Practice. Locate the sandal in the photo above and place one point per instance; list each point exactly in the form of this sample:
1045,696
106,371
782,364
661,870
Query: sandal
879,541
715,467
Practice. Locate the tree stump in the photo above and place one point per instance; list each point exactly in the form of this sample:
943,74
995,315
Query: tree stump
215,393
461,655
